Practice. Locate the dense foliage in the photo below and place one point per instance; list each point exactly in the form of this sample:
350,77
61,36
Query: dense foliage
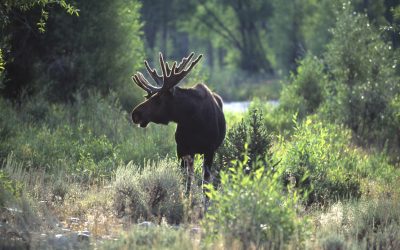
98,49
355,83
252,209
320,158
364,81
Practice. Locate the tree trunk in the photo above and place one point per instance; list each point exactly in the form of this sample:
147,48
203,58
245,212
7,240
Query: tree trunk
164,38
210,52
252,58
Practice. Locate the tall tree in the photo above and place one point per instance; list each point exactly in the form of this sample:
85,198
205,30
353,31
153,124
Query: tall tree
15,11
238,23
392,14
99,49
362,72
161,27
319,18
285,32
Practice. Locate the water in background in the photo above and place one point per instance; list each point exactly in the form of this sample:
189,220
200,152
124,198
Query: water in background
243,106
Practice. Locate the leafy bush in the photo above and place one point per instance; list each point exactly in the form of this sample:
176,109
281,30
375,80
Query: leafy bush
72,60
362,69
75,151
304,94
250,131
252,208
153,192
8,188
376,166
319,158
355,84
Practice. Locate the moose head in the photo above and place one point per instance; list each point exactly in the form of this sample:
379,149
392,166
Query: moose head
159,100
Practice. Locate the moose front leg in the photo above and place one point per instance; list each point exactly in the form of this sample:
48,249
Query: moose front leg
188,164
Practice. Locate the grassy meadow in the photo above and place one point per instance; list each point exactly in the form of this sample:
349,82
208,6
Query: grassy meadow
85,167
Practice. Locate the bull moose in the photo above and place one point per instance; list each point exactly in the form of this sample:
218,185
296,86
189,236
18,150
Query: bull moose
197,111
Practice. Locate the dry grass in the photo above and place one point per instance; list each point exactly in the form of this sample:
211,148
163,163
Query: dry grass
51,204
89,210
372,222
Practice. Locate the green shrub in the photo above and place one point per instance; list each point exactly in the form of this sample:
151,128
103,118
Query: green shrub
304,93
8,188
83,154
250,131
33,109
320,159
151,192
395,123
363,81
252,208
302,96
376,166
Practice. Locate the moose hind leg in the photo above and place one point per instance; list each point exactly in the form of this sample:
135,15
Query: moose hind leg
188,162
207,176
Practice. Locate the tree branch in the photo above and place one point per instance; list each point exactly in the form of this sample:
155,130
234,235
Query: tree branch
213,28
228,33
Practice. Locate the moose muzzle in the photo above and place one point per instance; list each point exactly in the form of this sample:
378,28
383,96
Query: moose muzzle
137,118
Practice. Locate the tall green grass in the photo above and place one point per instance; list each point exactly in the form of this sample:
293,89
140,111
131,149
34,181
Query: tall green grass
87,138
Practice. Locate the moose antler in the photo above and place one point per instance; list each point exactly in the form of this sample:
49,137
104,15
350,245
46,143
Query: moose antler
170,77
141,81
